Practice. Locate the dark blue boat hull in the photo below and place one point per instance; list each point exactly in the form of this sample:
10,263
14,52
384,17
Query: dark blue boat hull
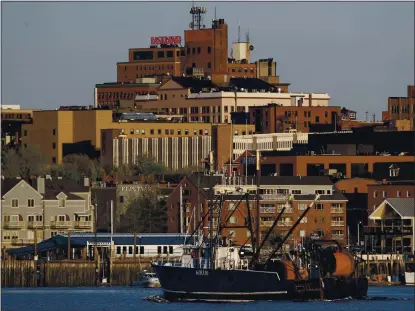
181,283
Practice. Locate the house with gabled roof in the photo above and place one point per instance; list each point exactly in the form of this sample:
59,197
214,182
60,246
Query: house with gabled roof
393,226
34,210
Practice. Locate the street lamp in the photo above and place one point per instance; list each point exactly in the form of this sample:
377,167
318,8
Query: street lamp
358,232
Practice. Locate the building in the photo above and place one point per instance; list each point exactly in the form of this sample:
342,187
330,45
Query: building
402,109
12,119
276,118
175,145
109,94
62,132
326,220
38,209
392,227
147,245
203,100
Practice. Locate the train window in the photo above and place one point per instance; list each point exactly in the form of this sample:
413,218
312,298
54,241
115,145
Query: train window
118,250
170,249
158,249
130,250
124,249
136,249
164,249
142,250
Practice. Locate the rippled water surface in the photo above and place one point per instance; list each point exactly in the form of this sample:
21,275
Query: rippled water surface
396,298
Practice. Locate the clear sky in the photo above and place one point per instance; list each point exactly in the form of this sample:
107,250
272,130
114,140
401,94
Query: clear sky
359,53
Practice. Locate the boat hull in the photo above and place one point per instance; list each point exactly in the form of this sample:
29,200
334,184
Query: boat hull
180,283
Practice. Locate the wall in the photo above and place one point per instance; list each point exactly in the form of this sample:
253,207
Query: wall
376,197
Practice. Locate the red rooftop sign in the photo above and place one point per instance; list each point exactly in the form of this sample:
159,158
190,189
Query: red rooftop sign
166,40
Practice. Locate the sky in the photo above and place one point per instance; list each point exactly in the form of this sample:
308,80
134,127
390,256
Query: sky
53,53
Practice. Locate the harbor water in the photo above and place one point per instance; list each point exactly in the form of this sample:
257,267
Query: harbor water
390,298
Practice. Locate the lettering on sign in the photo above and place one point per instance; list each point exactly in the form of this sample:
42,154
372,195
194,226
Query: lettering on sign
125,188
166,40
202,272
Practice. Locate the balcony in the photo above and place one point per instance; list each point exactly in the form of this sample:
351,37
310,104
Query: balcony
14,224
337,210
391,230
267,223
17,241
274,197
60,224
34,224
337,236
285,223
288,210
83,224
337,223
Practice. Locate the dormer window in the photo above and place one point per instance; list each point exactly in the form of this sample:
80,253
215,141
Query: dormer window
62,202
393,171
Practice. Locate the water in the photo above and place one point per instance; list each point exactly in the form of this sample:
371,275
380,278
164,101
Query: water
129,299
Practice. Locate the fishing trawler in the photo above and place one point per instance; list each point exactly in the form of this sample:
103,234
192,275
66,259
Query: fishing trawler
216,270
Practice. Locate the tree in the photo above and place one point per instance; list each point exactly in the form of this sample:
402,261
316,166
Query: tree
147,165
77,166
25,162
145,211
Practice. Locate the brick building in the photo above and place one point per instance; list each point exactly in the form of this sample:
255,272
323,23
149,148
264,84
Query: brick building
327,218
401,110
274,118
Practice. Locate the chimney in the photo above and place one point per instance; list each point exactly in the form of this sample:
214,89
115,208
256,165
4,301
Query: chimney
41,185
86,181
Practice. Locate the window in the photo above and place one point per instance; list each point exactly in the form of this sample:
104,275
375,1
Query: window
53,146
166,132
319,206
61,202
143,132
209,65
130,250
398,194
326,114
171,132
152,132
193,50
198,50
296,191
170,249
164,249
319,220
141,250
233,220
121,199
231,206
319,192
118,250
193,65
160,54
200,132
375,194
132,131
54,132
124,249
31,203
25,132
158,249
384,194
170,54
179,132
182,53
302,206
408,194
159,131
209,49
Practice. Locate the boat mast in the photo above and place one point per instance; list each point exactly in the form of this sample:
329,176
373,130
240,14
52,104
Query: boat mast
211,265
257,211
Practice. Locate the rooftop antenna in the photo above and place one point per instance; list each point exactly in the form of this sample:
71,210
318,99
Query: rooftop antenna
215,12
366,114
374,117
247,36
239,31
197,17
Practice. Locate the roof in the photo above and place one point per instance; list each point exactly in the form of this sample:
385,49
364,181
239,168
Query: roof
291,180
47,245
404,206
8,184
250,84
193,83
